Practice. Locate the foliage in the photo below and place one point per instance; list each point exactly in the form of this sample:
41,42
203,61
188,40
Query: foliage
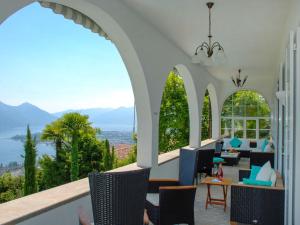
51,173
30,185
174,115
78,151
73,125
11,187
109,156
206,131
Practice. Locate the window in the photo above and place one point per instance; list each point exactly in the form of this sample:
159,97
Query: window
246,114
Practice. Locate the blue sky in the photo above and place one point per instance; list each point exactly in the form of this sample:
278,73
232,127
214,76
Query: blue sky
56,64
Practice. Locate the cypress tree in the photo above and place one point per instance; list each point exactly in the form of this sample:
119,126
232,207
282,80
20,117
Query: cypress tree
107,156
30,186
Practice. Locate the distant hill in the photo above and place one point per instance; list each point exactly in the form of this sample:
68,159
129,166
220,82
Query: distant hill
26,113
21,115
100,117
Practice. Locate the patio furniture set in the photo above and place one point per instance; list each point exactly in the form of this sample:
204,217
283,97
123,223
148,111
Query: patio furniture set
121,198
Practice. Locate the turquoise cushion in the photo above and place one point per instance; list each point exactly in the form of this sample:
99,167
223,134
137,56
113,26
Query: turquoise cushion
218,160
264,145
235,142
254,172
257,182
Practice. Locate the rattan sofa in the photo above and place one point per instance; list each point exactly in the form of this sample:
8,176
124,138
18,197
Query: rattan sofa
257,204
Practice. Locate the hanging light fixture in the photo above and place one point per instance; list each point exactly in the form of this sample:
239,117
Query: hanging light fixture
237,81
209,53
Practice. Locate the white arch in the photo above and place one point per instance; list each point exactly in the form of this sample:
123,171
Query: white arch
131,60
227,95
214,111
194,109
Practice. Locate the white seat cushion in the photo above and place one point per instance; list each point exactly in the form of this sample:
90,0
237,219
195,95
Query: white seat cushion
153,198
265,172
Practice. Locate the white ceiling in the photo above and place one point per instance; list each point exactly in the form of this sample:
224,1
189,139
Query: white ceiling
249,30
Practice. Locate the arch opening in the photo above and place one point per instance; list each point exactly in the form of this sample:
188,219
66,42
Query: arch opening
246,114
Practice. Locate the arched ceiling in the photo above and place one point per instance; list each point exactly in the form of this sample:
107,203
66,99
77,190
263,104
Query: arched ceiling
249,30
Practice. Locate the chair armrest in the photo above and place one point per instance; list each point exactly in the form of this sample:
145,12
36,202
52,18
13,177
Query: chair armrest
178,187
155,184
244,174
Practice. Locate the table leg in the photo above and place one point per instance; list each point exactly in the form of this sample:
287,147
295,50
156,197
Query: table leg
225,190
208,198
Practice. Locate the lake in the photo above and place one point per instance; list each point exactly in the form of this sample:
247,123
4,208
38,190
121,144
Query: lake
11,150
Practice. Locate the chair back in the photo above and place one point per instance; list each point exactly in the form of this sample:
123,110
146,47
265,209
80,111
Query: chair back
187,166
260,158
176,206
205,159
219,146
118,198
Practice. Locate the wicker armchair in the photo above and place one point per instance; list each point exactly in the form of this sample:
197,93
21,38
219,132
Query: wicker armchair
257,204
118,198
260,158
171,201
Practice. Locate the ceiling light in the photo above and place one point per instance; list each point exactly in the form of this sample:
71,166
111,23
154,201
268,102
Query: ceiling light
209,53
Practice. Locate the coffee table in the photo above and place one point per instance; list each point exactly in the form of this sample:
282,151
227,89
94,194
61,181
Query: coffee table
231,158
224,183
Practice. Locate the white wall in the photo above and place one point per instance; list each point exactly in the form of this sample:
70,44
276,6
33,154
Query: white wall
66,214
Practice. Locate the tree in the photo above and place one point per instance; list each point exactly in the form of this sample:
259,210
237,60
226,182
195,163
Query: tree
30,185
108,160
206,130
53,132
174,115
74,124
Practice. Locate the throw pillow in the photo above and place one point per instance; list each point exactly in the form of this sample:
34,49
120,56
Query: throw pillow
235,142
264,144
254,171
273,178
265,172
256,182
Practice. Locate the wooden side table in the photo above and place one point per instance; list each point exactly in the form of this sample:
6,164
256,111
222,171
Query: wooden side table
224,183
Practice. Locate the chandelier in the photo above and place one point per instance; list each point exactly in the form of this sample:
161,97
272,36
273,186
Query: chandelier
237,81
209,53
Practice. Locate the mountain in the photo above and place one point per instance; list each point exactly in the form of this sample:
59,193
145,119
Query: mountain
103,117
22,115
118,119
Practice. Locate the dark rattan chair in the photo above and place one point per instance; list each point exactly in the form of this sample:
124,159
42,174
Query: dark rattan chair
171,201
257,204
260,158
118,198
205,161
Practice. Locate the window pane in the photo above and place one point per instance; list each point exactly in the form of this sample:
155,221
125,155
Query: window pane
227,110
251,124
239,124
239,110
225,123
251,134
251,110
263,110
264,134
226,132
264,124
239,133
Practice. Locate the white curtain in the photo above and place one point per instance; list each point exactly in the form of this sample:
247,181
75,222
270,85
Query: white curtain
76,16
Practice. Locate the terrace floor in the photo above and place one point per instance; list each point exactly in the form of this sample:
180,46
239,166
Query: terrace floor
215,215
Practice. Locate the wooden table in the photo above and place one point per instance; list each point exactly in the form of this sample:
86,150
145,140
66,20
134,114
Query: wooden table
224,184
